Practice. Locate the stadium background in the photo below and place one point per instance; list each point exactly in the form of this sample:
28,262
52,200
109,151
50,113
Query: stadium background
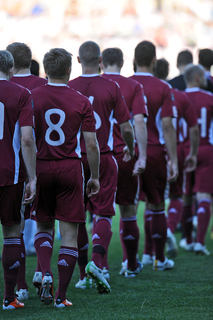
172,25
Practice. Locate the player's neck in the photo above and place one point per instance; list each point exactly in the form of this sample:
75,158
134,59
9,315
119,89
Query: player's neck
86,70
4,76
145,69
21,71
111,69
63,81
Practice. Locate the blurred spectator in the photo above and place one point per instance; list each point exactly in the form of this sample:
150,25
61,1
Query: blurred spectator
184,57
205,59
34,68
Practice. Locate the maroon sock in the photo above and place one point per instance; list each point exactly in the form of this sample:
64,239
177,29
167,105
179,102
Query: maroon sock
44,248
131,239
121,239
149,245
159,233
11,257
104,262
186,222
175,211
203,215
83,245
21,282
101,238
66,264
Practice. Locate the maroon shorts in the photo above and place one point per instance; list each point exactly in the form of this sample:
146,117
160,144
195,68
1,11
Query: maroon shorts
59,191
154,177
104,202
204,170
176,188
128,185
11,198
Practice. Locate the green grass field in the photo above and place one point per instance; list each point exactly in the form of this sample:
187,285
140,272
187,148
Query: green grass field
185,293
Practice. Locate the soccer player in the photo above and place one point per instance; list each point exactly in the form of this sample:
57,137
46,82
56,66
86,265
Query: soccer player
16,135
203,105
184,57
22,62
161,133
205,59
127,198
108,105
61,114
22,56
186,117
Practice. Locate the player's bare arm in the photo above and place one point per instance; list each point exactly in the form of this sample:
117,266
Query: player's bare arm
29,157
191,160
171,145
141,136
93,157
128,137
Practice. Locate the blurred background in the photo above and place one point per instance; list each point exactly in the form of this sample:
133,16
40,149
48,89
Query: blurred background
172,25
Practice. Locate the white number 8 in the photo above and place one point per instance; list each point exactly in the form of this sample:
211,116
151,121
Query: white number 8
55,127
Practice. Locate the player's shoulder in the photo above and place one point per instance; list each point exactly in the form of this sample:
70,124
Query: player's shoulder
16,87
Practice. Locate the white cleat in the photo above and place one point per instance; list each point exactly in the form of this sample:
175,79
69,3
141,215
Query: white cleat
166,265
123,267
86,283
22,294
201,249
147,259
172,249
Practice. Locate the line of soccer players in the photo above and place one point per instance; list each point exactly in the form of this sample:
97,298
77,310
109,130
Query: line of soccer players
100,140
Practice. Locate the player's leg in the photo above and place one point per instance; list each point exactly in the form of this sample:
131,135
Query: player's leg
10,204
131,237
203,214
68,255
83,245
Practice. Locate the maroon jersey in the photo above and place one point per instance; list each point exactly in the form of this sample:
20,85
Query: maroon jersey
61,114
108,105
134,97
28,81
15,112
202,102
186,115
160,102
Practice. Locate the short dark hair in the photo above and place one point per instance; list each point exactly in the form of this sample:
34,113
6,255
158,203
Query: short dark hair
112,56
21,53
205,58
34,67
6,61
89,53
184,57
191,71
145,52
161,69
56,63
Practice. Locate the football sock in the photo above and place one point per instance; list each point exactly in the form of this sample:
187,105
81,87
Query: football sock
159,233
149,244
66,264
175,211
121,239
83,245
21,282
203,215
186,222
11,257
131,239
44,248
101,238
